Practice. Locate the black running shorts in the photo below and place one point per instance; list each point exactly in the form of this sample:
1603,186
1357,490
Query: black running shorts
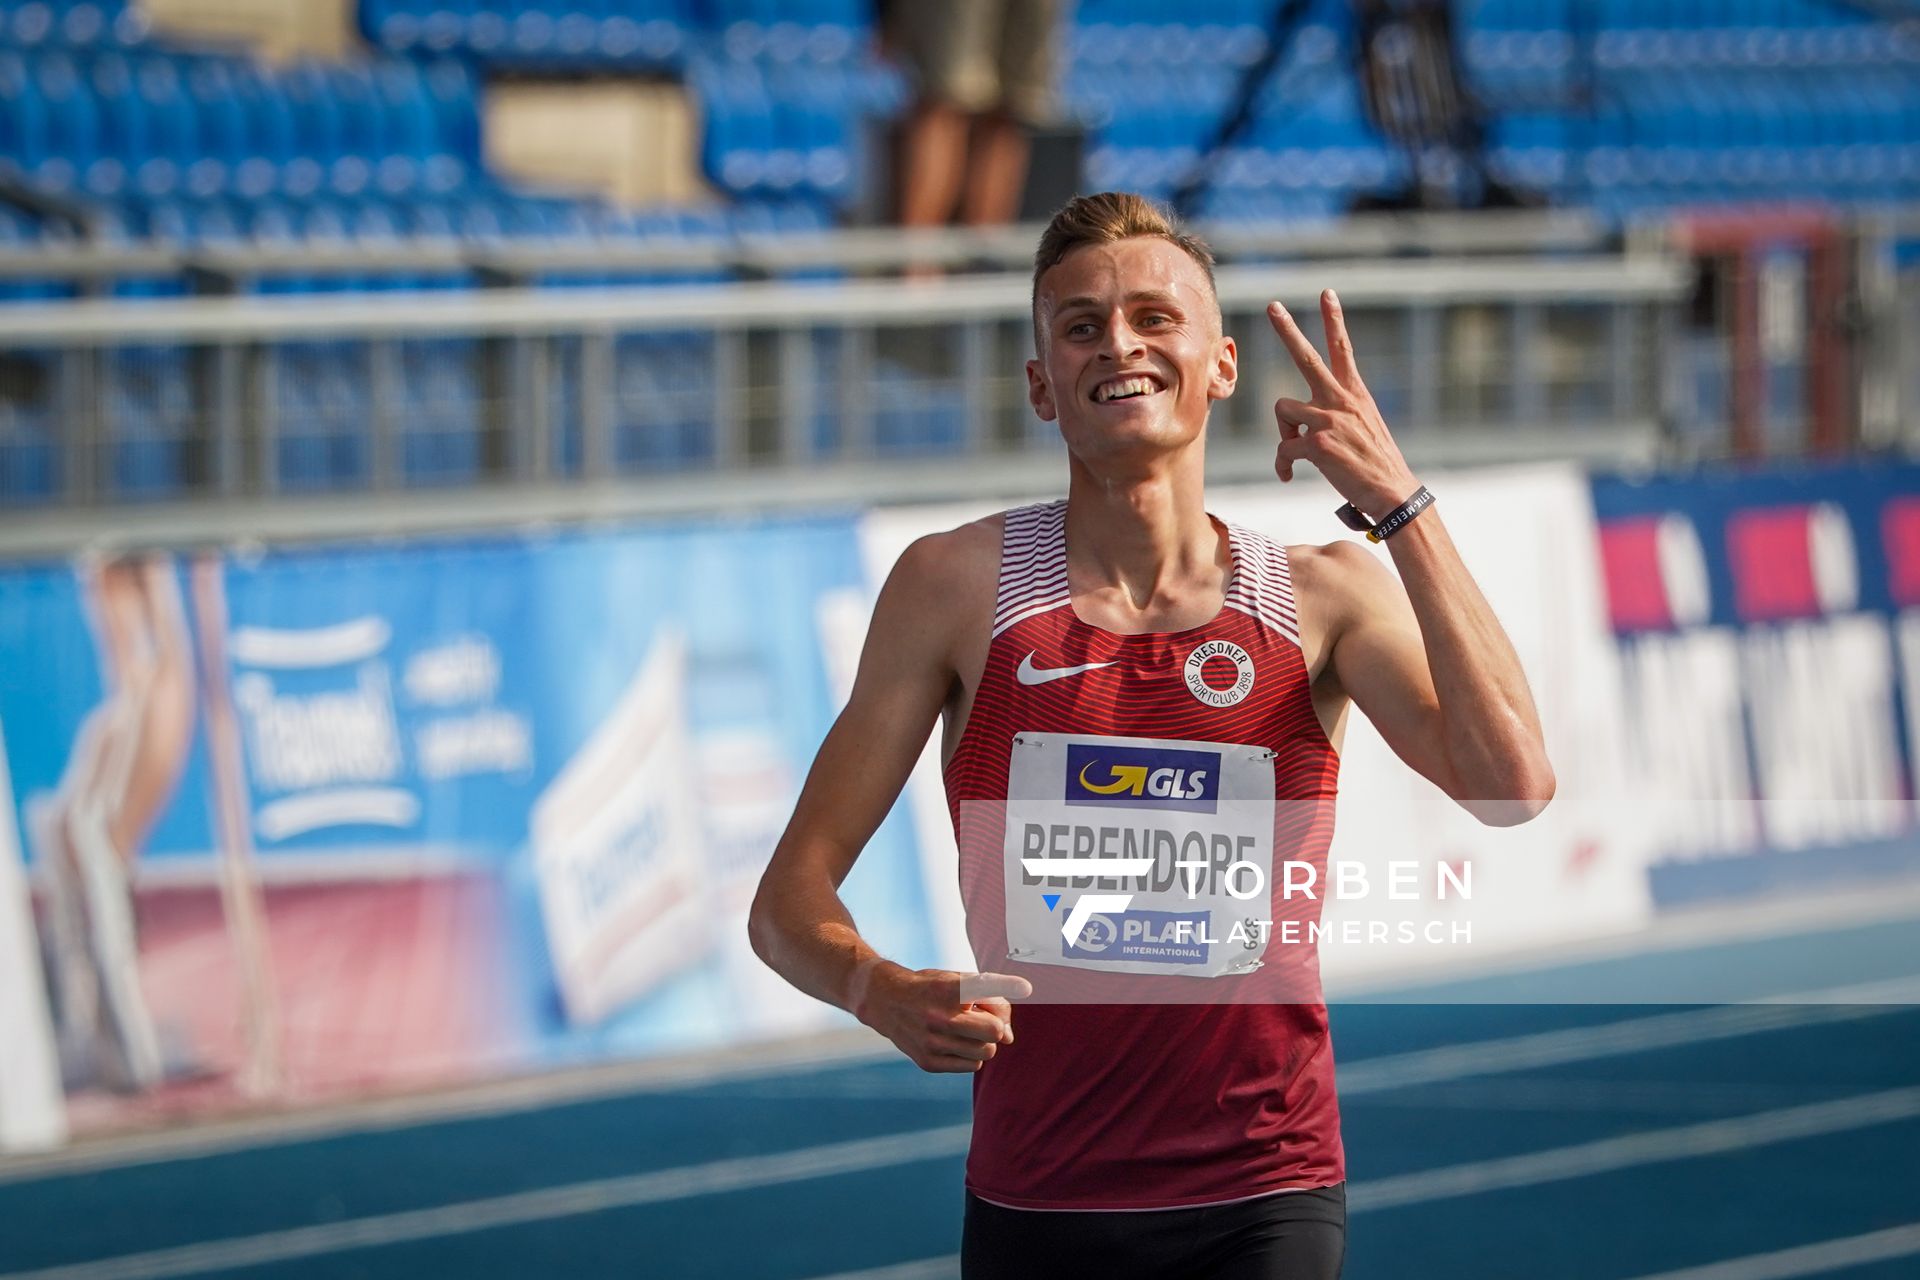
1290,1235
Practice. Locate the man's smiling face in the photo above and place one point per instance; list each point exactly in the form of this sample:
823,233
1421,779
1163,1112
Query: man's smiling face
1131,354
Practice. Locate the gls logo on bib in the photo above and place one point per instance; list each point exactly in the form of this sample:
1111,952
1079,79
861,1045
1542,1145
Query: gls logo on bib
1143,777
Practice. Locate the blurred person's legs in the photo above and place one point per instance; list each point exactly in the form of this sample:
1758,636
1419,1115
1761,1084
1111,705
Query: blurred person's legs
1003,137
933,150
106,1033
126,763
127,1042
75,987
985,72
996,172
145,622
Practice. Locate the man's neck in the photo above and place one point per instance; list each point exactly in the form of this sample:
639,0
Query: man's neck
1143,533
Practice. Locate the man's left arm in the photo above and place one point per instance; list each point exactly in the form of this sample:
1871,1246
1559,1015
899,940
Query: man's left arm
1423,657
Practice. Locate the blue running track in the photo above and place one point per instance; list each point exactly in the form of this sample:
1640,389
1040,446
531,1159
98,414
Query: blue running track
1568,1140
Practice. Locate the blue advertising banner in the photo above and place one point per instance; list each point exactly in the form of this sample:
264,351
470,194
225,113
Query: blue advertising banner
453,805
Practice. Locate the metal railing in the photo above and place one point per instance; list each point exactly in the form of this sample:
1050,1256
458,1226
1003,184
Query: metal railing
652,399
226,267
675,393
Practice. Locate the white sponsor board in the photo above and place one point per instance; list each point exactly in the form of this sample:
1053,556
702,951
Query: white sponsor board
1578,871
33,1110
1817,700
617,848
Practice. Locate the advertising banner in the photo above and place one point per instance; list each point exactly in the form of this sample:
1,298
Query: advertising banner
1575,872
1768,624
294,825
317,822
31,1115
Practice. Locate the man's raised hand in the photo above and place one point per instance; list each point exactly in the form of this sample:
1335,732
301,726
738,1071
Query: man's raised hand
1340,429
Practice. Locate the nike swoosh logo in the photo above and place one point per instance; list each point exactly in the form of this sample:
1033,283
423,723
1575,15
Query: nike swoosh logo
1030,674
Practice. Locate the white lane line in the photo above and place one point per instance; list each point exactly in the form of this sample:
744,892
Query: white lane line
1653,1146
1445,1064
1715,1137
1808,1259
647,1077
546,1204
1372,1075
846,1048
1632,1035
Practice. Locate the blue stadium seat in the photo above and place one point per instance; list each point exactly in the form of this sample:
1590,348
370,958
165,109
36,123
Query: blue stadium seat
558,34
663,401
29,454
324,426
1705,103
149,419
914,414
441,402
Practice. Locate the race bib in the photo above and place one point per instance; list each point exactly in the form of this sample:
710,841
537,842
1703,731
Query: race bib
1138,855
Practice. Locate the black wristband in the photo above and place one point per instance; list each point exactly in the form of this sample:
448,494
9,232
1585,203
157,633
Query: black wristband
1389,524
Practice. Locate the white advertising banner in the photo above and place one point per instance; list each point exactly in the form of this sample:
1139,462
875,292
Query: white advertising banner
1442,891
33,1107
1418,887
617,846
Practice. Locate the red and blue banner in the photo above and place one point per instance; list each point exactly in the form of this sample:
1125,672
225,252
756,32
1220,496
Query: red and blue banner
1769,629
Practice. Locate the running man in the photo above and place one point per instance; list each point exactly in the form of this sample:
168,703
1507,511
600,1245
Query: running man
1173,1114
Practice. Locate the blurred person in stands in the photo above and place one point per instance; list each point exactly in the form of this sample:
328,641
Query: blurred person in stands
984,77
125,765
1407,63
1176,1116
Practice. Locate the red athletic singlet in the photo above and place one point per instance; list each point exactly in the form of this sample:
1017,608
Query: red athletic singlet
1214,1080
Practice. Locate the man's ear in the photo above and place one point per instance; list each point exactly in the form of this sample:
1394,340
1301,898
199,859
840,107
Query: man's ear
1226,370
1039,395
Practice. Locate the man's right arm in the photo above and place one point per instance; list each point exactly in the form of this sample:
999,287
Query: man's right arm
799,925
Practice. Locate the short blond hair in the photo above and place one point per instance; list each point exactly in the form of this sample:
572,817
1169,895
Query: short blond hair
1103,218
